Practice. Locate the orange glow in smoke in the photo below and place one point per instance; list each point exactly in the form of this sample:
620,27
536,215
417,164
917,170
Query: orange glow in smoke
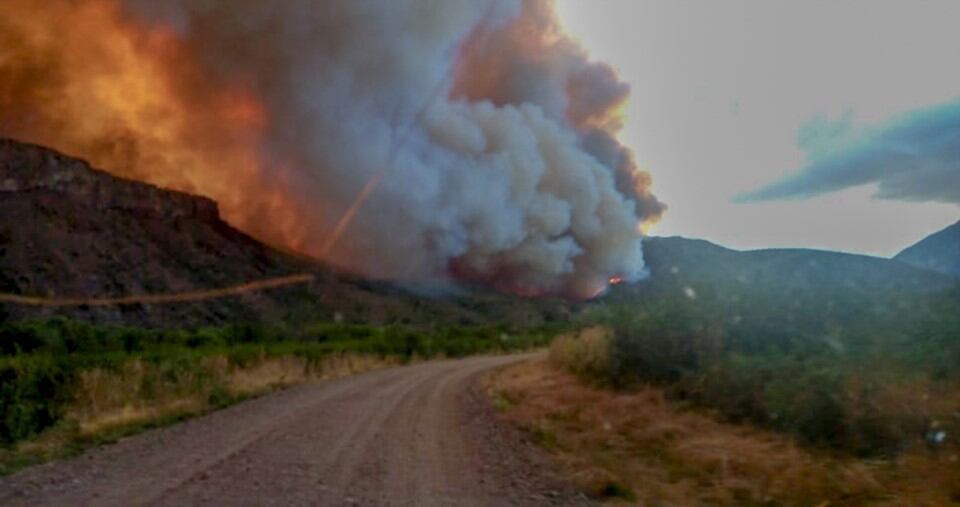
86,79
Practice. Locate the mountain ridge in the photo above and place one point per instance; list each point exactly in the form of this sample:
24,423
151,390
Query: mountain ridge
939,252
675,261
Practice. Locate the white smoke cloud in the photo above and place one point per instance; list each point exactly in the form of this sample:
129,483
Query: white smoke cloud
493,132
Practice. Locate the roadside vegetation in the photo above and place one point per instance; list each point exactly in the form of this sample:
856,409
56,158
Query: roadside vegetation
870,376
640,446
733,395
66,385
767,378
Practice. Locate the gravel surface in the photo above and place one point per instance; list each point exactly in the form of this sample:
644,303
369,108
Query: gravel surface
417,435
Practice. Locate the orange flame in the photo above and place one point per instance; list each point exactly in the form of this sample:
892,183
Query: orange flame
140,101
86,79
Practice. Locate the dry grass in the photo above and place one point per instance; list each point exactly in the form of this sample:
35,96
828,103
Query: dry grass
140,393
639,448
135,394
344,365
587,353
108,404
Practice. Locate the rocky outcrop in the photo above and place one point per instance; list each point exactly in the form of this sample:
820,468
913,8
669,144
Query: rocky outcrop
31,168
70,231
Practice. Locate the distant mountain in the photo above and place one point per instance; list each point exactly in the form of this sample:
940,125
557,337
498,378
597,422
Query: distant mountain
70,231
779,296
679,261
937,252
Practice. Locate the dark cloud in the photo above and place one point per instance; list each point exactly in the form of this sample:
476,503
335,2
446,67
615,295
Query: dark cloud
914,157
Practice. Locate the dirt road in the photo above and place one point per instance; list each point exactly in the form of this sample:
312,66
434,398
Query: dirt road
418,435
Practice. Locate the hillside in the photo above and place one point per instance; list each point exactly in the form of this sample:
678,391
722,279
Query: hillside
937,252
836,349
796,295
680,262
68,230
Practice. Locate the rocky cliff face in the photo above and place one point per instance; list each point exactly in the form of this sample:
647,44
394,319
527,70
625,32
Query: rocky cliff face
70,231
31,169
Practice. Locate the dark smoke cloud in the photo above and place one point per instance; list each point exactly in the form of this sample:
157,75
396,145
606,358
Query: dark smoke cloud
914,157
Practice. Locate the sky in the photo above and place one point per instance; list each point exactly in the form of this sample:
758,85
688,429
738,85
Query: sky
770,123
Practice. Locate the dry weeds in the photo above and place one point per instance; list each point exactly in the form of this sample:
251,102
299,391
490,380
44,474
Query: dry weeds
639,448
140,393
108,404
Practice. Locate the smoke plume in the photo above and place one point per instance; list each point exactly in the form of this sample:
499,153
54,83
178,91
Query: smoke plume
412,140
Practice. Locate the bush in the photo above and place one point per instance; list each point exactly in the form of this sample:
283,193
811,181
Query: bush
33,393
786,361
16,339
588,354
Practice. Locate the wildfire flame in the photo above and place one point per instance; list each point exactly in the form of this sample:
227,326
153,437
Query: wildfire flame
199,102
132,98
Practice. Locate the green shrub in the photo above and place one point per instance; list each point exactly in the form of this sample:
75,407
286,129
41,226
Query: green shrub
33,393
17,339
787,361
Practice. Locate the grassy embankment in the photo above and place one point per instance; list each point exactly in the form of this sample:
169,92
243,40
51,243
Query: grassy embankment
642,445
65,386
870,376
861,385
